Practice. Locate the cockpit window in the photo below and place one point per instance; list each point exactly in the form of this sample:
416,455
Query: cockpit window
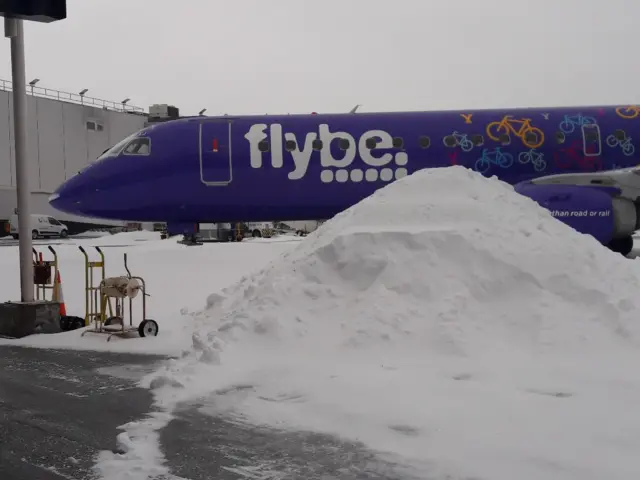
117,148
138,146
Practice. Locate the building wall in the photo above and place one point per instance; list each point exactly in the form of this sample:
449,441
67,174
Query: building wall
62,138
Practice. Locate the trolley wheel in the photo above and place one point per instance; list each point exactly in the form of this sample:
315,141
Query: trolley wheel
113,321
148,328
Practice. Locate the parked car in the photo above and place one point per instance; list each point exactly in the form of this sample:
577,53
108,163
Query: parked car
40,226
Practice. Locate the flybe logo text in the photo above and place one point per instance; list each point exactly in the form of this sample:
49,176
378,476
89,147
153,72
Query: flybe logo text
338,168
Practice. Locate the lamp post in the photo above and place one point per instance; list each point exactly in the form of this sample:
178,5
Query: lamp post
33,82
14,29
15,13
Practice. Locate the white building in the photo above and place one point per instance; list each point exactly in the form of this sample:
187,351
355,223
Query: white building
65,132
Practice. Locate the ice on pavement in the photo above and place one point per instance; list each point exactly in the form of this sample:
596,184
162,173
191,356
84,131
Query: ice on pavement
445,320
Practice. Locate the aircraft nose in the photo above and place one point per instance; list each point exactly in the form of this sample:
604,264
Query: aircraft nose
61,202
67,198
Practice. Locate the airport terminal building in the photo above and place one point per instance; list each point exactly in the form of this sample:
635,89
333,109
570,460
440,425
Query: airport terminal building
65,132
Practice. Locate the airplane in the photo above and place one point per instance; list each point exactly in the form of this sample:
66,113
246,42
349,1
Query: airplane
578,162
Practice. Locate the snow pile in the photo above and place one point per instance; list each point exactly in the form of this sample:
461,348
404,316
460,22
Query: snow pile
445,319
445,260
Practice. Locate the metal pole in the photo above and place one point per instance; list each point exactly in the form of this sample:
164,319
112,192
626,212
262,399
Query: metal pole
14,29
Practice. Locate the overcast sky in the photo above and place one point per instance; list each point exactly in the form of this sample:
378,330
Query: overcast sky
279,56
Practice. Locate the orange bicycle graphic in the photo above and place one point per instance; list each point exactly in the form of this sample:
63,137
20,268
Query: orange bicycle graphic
531,136
632,111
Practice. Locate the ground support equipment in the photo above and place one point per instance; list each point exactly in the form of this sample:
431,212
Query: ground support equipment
116,290
46,276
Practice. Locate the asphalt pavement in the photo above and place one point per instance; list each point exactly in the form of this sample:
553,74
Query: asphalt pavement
60,408
202,446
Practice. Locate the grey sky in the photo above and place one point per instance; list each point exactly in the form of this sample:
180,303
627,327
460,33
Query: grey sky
279,56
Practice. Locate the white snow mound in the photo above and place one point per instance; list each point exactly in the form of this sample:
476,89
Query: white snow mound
445,320
444,260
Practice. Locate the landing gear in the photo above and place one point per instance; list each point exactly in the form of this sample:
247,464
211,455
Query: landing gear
190,239
623,246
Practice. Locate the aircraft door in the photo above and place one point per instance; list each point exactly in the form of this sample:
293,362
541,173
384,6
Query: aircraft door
591,141
215,152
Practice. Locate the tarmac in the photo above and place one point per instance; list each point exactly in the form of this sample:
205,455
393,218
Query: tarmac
60,408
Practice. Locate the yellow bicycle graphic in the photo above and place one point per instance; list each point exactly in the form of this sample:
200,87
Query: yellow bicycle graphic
632,111
531,137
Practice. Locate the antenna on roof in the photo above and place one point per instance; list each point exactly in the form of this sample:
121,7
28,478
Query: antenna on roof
353,110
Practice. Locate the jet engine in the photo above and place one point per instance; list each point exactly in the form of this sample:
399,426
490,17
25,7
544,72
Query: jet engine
595,210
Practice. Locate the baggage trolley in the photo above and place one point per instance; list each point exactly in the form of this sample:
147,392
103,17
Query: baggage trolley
45,273
116,290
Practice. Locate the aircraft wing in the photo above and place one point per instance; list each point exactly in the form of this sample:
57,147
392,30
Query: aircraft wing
626,180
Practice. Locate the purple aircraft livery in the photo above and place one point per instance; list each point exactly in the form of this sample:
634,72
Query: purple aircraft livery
578,162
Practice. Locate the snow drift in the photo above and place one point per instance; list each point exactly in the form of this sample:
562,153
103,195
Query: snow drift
445,319
444,260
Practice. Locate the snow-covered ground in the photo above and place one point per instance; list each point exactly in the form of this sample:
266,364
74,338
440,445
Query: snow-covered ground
178,279
445,321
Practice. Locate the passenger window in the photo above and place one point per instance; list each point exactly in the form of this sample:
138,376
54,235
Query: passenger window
317,144
398,142
53,221
505,139
450,141
263,146
620,134
560,138
531,138
344,144
138,146
477,140
371,143
425,142
290,145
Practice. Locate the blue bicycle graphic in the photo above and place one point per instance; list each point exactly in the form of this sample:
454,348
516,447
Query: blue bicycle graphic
627,147
461,140
569,124
536,159
496,157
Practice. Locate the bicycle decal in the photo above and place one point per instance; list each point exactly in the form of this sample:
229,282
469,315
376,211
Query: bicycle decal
496,157
535,158
630,112
570,122
625,144
457,139
531,136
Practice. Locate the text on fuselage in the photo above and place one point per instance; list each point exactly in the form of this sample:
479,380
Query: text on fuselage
379,164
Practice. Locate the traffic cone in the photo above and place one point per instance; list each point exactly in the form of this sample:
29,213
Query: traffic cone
58,296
